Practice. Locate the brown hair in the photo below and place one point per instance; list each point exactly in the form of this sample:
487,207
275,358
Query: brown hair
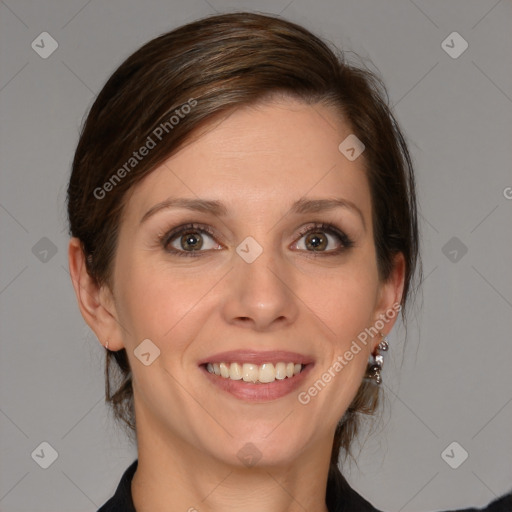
177,83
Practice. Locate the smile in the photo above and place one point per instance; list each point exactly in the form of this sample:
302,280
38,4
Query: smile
249,372
257,376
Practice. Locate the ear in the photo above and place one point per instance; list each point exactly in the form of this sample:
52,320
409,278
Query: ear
96,302
390,296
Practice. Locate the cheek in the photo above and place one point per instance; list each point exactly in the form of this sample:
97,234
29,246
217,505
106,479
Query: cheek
157,303
343,298
344,301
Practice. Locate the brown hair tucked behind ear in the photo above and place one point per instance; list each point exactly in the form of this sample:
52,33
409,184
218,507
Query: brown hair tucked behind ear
205,69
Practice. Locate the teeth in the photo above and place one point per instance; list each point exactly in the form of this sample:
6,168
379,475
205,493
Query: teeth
224,370
281,371
249,372
235,371
267,373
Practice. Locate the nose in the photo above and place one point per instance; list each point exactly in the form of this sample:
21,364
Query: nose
259,295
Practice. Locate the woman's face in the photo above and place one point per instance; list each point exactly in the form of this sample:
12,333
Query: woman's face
279,266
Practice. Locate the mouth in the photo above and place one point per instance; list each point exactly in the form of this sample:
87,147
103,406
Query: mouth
257,376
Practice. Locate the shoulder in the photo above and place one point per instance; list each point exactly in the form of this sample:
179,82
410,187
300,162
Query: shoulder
342,498
122,499
503,504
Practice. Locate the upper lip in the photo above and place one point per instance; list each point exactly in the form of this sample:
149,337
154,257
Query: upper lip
257,357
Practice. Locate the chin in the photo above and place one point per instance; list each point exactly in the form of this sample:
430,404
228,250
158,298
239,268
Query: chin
269,444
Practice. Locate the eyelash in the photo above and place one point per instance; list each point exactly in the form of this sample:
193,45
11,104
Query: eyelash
345,240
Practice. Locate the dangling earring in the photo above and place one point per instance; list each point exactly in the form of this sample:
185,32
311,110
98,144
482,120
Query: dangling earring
376,361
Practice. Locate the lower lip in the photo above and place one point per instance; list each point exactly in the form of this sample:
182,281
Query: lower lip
258,392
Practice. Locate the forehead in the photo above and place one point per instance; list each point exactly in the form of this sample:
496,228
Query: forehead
265,155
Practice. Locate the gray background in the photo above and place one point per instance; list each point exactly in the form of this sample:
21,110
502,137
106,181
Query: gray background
451,381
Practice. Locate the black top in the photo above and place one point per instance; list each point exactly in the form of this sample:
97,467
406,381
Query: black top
340,497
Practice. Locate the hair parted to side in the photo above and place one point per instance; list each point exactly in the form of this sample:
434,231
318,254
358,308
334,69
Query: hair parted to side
214,65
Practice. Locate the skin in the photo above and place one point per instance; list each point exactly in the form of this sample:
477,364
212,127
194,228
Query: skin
257,161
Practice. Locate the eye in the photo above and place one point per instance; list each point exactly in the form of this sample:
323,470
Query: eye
189,239
193,239
323,238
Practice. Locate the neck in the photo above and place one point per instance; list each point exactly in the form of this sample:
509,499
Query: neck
172,475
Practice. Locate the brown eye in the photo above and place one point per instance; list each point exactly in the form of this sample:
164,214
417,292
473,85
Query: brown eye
323,239
191,241
316,241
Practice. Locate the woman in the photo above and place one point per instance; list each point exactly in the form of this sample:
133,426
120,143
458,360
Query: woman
243,218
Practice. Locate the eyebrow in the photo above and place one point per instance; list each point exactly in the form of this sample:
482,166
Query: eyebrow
301,206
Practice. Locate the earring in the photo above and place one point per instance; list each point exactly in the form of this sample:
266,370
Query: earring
106,345
376,361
